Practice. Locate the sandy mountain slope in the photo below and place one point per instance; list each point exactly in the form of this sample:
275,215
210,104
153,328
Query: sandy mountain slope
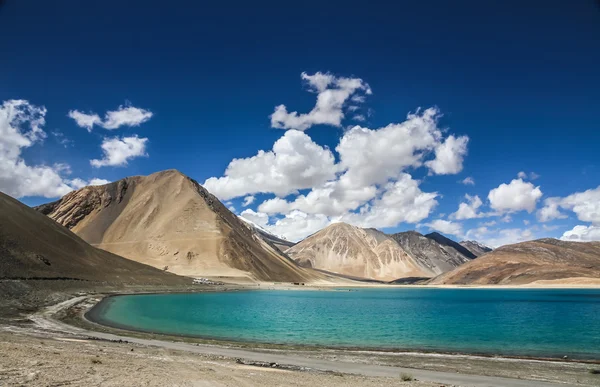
353,251
32,246
168,220
428,253
540,261
475,247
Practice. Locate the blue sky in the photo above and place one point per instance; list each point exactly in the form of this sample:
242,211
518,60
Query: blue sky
200,83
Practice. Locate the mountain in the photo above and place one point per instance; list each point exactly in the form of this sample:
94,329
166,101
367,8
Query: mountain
169,221
32,246
437,258
475,247
357,252
542,261
448,244
278,241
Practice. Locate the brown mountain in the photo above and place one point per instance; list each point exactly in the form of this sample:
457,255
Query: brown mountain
434,252
32,246
366,253
543,261
169,221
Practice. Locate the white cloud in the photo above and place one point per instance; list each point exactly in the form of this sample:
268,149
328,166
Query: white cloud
295,162
85,120
550,210
367,187
125,115
248,200
449,156
258,218
582,234
332,94
118,151
469,210
402,201
468,181
515,196
96,181
78,183
586,205
21,127
359,117
497,238
446,227
530,175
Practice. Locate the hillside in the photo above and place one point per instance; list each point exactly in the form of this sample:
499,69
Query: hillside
543,261
475,247
358,252
33,246
169,221
438,258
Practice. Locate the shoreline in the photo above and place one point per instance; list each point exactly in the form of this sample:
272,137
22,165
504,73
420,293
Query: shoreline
93,317
63,324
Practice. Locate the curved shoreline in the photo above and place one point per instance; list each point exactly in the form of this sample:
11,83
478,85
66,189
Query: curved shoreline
94,316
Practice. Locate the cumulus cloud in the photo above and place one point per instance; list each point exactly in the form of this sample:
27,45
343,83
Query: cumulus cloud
446,227
449,156
368,186
248,200
118,151
469,209
582,234
21,127
585,205
295,162
515,196
125,115
468,181
332,94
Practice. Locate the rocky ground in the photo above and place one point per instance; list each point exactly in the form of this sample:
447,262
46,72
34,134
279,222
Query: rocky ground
34,361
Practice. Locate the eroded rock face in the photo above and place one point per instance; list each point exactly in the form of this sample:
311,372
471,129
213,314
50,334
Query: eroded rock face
367,253
476,248
169,220
543,261
429,253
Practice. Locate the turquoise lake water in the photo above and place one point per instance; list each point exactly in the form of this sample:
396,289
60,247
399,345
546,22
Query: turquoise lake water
523,322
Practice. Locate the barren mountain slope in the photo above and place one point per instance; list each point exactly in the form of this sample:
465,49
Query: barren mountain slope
427,252
168,220
475,247
354,251
32,246
540,261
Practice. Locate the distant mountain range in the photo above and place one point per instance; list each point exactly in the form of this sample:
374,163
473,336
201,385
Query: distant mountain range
369,253
169,221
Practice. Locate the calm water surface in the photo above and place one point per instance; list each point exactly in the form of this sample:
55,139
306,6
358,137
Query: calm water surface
527,322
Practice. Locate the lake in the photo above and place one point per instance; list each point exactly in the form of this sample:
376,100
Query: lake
517,322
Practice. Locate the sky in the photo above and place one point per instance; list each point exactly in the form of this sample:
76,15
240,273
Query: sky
475,119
